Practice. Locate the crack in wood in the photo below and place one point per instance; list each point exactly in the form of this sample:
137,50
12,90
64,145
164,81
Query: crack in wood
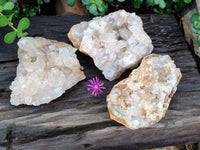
9,137
9,61
80,130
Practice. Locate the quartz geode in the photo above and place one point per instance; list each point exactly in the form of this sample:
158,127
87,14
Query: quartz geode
143,98
46,69
116,42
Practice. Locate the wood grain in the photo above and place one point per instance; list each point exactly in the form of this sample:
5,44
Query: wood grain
77,120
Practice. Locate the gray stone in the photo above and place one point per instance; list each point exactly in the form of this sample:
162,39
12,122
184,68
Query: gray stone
190,36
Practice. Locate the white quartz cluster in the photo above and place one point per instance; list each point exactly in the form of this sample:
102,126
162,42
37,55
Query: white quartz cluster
143,98
116,42
46,69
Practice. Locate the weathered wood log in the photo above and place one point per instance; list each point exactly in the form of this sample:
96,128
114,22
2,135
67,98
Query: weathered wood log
77,120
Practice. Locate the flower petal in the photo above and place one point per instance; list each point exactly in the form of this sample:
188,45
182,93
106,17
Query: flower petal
95,87
91,81
97,80
89,85
102,87
94,82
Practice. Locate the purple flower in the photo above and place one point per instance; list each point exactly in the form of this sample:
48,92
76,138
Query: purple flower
95,87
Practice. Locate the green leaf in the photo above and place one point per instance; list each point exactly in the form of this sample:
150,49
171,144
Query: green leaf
87,7
19,34
3,21
13,1
121,0
195,17
8,6
92,2
169,10
169,4
10,24
101,8
30,11
136,5
196,25
47,1
187,1
101,14
1,8
39,2
157,1
25,34
99,2
93,9
139,1
198,40
161,11
2,2
24,24
11,16
162,4
106,7
71,2
175,1
196,31
150,2
10,37
156,10
85,2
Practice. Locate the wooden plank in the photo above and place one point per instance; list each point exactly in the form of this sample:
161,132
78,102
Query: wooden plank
77,120
112,137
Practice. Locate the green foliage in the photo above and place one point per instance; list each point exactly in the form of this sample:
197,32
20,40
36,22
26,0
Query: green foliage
8,6
100,7
3,21
195,17
40,2
136,3
10,9
18,9
198,40
7,12
167,6
71,2
187,1
24,24
195,20
95,7
10,37
29,11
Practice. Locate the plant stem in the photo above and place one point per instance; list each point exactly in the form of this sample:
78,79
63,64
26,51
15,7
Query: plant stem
10,24
13,28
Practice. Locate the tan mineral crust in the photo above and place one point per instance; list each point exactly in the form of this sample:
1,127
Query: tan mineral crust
143,98
116,42
46,69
